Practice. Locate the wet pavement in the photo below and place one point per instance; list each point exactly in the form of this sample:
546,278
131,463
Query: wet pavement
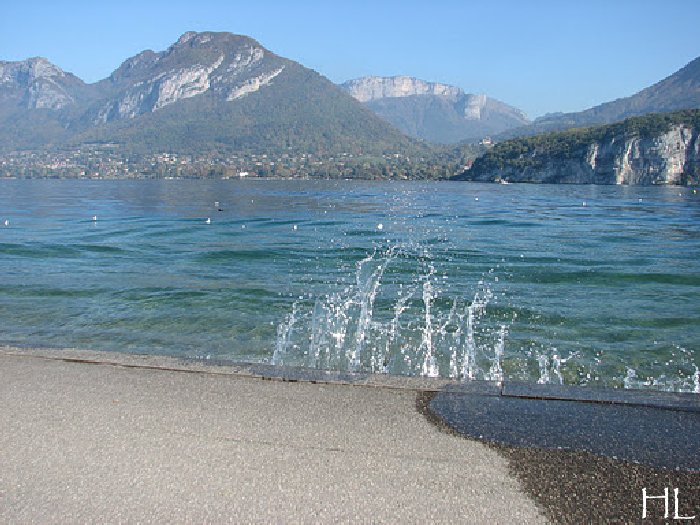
656,429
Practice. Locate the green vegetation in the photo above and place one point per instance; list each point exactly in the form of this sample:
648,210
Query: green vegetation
533,152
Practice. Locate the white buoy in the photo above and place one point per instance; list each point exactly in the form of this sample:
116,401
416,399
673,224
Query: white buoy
294,227
380,226
94,218
208,221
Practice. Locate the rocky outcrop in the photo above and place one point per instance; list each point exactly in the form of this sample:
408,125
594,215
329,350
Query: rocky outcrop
671,157
253,84
36,83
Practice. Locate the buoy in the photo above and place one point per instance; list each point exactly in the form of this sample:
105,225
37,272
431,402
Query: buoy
380,226
94,218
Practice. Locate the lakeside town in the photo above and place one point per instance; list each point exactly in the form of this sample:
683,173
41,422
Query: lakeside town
109,161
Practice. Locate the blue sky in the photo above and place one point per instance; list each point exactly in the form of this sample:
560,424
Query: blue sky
540,56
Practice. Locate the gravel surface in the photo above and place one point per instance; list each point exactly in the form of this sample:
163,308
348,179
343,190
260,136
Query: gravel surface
576,487
664,438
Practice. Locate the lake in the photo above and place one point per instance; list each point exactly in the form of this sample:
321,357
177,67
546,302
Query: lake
591,285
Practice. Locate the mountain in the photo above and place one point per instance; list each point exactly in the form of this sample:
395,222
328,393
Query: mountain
432,111
661,148
206,92
679,91
37,102
37,84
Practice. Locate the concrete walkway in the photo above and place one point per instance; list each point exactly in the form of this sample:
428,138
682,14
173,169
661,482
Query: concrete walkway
107,443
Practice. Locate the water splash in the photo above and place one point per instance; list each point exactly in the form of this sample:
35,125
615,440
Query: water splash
396,317
394,312
683,380
284,337
690,383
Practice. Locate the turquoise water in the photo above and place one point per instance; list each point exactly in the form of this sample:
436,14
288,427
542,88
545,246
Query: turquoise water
573,284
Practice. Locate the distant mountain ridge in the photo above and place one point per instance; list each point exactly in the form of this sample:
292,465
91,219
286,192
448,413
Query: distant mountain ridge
433,111
207,91
679,91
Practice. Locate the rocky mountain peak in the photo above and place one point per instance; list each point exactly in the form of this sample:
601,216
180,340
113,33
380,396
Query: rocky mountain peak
28,70
36,83
434,111
211,39
186,37
222,65
40,67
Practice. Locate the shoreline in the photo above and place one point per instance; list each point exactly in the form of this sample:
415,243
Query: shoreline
567,486
662,399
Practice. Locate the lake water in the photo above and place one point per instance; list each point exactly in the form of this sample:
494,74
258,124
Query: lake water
574,284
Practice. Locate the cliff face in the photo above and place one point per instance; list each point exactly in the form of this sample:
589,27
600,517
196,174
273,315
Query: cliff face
432,111
372,88
672,157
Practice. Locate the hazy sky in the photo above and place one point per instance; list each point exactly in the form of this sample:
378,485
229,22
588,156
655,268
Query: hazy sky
540,56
